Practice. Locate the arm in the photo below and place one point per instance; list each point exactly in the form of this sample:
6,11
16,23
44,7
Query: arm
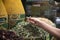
52,30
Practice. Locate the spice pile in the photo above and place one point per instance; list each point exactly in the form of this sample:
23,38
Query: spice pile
28,30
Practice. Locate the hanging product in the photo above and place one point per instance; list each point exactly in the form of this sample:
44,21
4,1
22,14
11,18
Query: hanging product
15,11
3,16
14,6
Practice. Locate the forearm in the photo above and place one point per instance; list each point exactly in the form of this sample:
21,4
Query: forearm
54,31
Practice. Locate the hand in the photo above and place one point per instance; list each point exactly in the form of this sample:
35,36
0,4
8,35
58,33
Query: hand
33,20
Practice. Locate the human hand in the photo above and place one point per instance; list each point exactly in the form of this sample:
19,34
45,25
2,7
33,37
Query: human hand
33,20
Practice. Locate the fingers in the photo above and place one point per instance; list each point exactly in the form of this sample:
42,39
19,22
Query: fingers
33,20
29,19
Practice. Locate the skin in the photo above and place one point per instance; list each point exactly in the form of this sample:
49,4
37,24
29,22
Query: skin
52,30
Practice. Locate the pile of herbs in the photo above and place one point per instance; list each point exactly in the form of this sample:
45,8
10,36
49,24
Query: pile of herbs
28,30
